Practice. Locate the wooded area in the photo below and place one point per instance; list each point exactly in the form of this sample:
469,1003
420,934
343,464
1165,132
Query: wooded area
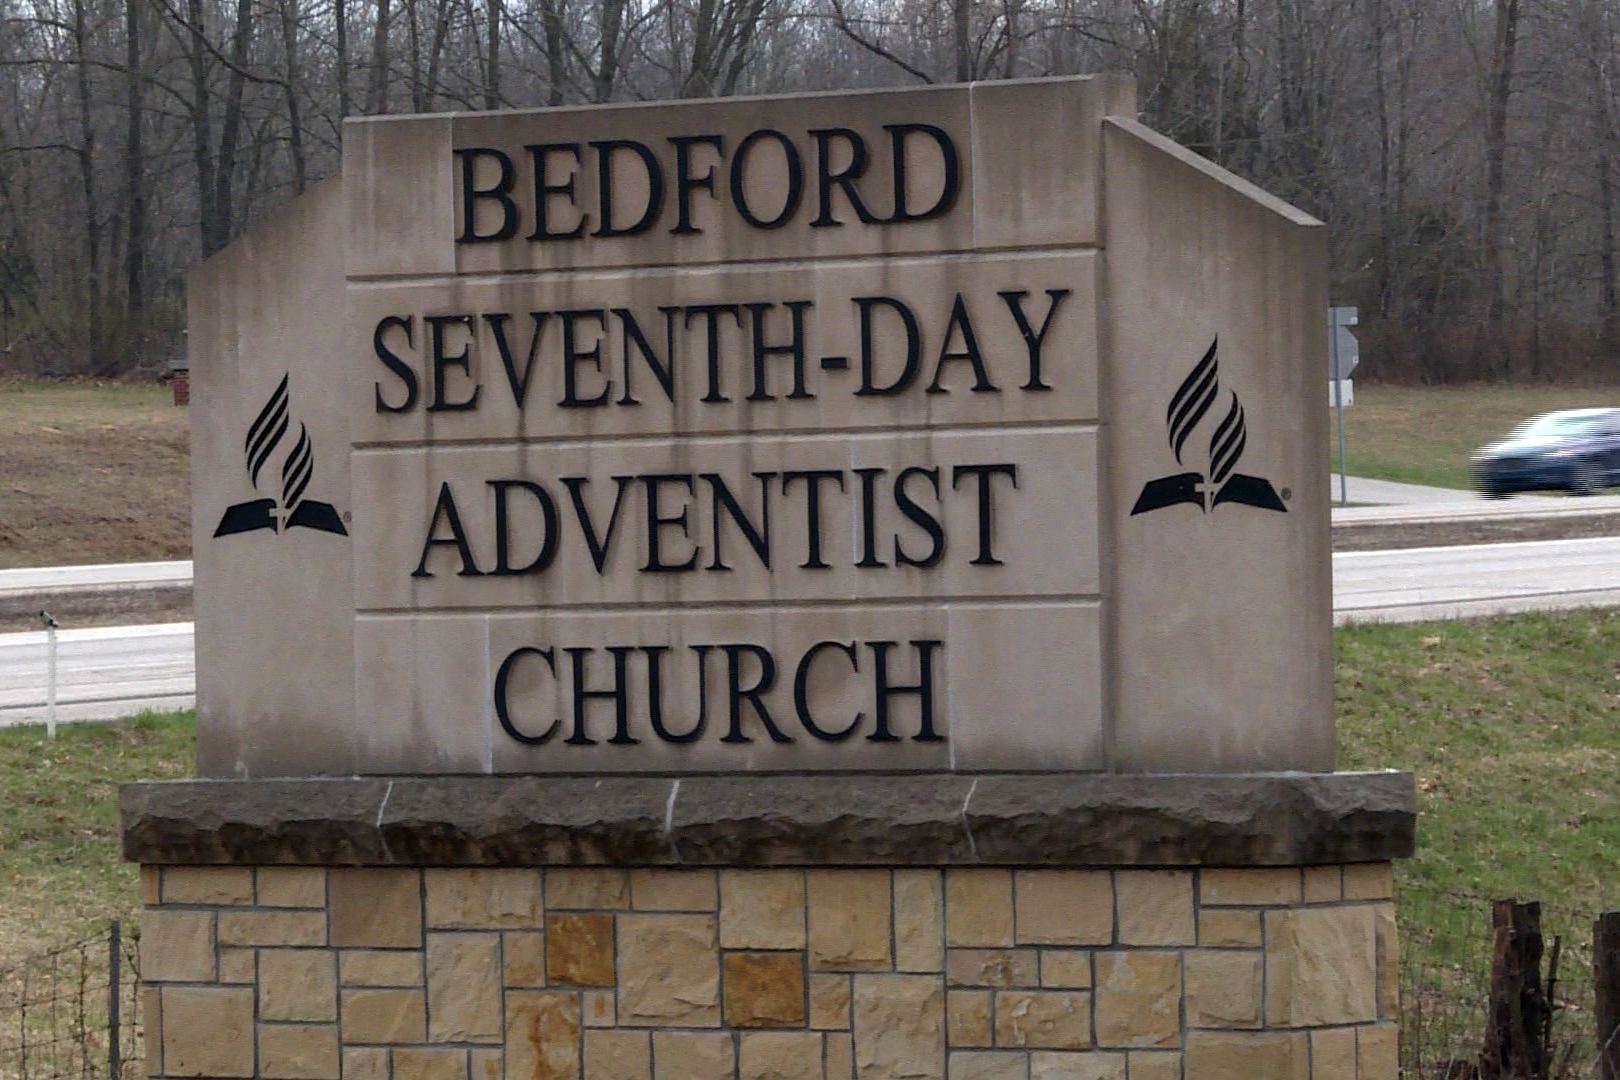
1462,151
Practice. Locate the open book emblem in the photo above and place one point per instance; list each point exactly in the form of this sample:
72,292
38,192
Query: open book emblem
291,510
1223,484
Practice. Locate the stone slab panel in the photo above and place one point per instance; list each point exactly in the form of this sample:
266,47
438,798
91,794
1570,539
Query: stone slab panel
273,606
900,820
451,721
882,344
850,553
1221,577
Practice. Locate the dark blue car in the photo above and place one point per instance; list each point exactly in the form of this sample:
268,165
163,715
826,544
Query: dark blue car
1573,450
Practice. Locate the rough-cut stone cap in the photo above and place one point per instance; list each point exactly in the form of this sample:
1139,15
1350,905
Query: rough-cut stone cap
1076,819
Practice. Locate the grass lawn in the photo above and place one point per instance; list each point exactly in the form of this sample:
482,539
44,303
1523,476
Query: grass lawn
92,473
1423,435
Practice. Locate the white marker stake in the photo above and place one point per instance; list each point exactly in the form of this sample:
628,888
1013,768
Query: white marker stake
50,681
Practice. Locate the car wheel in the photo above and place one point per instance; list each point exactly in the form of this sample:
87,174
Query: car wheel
1586,479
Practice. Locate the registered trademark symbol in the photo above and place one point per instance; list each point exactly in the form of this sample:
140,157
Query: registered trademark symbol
1286,493
348,518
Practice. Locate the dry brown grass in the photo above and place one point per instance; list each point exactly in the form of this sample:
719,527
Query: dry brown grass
92,474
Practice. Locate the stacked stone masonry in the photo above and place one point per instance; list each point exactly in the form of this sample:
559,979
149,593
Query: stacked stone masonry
298,973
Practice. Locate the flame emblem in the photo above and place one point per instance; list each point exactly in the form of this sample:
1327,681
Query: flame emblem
1191,402
292,510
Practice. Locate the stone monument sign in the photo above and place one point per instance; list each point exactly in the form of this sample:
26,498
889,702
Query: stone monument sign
956,429
814,588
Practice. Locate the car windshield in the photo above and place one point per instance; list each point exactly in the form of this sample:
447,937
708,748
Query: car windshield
1558,424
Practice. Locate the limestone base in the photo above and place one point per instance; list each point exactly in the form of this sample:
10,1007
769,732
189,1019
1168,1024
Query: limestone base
748,972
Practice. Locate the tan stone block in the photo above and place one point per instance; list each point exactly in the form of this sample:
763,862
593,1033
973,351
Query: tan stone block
919,920
669,970
1219,928
1138,998
523,956
1234,1055
1238,886
1369,881
1083,1065
764,989
979,908
583,888
542,1034
238,965
829,1001
177,946
1223,989
1378,1052
849,913
285,928
430,1063
992,967
988,1065
1055,1019
464,988
380,967
365,1063
1321,967
208,885
1155,907
618,1055
840,1055
152,1022
762,909
297,984
899,1026
1389,962
299,1052
375,908
779,1055
384,1016
1154,1064
674,890
693,1055
291,886
969,1018
207,1031
579,949
600,1008
1324,885
482,899
1333,1054
1064,907
151,885
1066,969
486,1063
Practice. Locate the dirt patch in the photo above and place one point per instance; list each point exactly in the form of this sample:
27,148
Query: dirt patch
92,474
115,607
1387,536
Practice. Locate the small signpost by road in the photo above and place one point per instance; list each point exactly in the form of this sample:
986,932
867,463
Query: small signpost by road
1344,353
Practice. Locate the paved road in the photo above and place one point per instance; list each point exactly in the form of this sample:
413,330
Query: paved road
66,579
115,671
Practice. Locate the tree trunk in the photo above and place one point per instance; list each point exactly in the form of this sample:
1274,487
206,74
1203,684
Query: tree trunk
1386,211
295,124
340,15
1501,92
551,25
608,64
87,178
1515,1025
230,128
962,34
377,94
134,167
202,139
492,72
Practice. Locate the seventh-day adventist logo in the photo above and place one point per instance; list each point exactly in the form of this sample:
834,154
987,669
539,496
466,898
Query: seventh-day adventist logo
1192,400
292,510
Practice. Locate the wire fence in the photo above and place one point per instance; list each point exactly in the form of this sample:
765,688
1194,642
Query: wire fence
73,1013
1446,941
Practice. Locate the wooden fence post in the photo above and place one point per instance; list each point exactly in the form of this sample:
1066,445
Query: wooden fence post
1606,976
1516,1024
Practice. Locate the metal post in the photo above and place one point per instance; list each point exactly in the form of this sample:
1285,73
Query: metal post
50,674
1338,400
115,948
